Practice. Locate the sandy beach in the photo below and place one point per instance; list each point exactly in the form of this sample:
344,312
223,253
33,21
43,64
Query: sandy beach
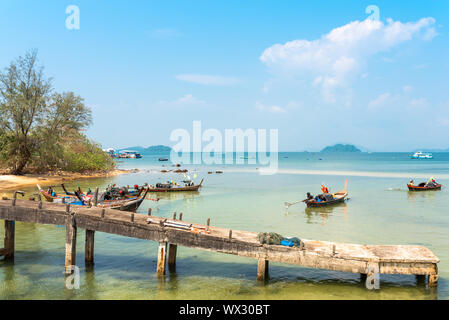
9,182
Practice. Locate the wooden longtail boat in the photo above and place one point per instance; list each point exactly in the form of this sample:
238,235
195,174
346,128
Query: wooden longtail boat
52,197
177,189
123,205
330,199
423,188
131,204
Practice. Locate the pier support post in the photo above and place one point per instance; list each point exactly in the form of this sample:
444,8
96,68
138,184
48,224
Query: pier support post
172,256
262,269
161,258
70,244
432,280
89,247
9,240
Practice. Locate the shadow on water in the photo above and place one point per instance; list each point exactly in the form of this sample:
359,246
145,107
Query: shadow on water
322,214
412,195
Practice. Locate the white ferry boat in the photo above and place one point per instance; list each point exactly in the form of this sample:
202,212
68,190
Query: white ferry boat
422,155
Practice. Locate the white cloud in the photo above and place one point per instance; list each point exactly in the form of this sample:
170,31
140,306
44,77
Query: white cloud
444,122
207,79
379,101
334,59
273,109
407,89
188,99
421,66
419,102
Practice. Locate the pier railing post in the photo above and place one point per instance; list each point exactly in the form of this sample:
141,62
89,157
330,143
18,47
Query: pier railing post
70,244
9,239
161,258
89,247
172,256
262,269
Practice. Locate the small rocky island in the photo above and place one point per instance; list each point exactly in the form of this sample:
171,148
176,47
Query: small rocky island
341,148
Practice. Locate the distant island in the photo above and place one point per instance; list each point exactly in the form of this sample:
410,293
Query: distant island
158,149
341,148
152,149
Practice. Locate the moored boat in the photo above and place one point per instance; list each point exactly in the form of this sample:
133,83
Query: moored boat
129,154
171,188
128,204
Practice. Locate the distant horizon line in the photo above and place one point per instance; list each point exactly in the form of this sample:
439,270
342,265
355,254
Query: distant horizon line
306,151
361,149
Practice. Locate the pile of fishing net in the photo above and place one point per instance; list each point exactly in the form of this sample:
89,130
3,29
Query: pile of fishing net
277,239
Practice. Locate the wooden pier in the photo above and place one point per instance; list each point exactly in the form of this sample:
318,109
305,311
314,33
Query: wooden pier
355,258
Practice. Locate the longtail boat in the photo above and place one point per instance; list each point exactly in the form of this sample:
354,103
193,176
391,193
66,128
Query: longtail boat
123,205
51,197
130,204
424,187
171,188
328,198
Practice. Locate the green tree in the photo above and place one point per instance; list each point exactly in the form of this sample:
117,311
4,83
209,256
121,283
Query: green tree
24,94
37,125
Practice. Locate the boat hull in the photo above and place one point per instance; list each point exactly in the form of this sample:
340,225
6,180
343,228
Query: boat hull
314,204
418,188
180,189
122,204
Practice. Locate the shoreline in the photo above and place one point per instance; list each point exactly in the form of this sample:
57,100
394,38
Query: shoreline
10,182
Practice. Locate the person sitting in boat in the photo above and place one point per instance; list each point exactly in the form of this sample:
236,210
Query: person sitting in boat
412,183
309,196
51,192
107,195
431,182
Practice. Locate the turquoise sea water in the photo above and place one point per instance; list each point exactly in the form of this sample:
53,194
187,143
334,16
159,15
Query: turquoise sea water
380,211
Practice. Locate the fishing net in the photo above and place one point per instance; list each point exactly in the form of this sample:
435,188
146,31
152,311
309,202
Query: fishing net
276,238
270,238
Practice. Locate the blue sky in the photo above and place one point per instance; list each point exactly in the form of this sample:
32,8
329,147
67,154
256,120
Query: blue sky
317,71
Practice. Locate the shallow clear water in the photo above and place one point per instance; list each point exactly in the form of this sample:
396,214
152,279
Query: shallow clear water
380,211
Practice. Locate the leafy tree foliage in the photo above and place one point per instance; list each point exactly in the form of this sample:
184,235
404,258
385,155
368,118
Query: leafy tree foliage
35,123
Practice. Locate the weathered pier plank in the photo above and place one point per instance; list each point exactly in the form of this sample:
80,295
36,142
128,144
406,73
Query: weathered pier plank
355,258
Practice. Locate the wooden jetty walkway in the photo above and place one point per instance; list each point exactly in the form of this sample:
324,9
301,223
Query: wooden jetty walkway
170,233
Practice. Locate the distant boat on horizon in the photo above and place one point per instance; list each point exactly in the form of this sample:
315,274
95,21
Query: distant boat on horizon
422,155
129,154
